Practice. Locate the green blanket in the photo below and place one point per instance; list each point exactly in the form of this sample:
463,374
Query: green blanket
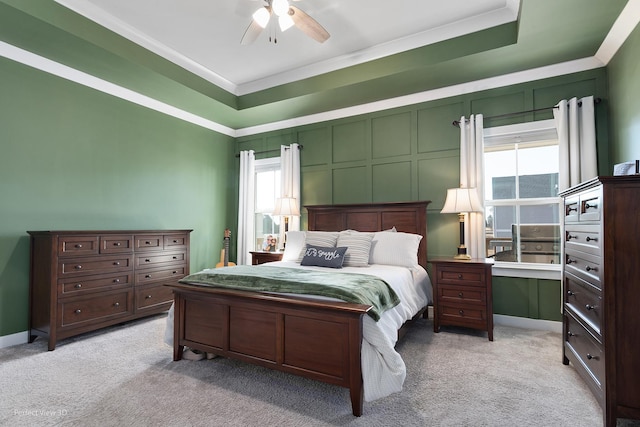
350,287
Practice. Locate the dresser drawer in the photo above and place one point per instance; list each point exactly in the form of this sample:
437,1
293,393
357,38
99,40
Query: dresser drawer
583,265
462,294
78,245
94,265
149,242
583,238
80,285
587,350
572,209
112,244
79,311
153,260
461,275
585,300
175,241
149,276
152,297
590,205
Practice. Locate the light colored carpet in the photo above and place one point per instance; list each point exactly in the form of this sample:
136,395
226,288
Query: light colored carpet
124,375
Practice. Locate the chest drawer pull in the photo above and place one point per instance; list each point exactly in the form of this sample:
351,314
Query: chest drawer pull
116,244
571,334
174,272
591,268
570,261
116,263
147,260
592,239
148,297
459,276
116,280
175,241
570,293
461,312
147,243
461,294
78,267
569,236
590,357
78,285
590,307
147,276
117,304
175,257
571,208
589,206
78,311
79,246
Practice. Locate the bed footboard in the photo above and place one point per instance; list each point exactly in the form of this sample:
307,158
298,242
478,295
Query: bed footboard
316,339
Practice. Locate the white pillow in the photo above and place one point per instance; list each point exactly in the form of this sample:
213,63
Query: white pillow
295,244
326,239
395,249
359,245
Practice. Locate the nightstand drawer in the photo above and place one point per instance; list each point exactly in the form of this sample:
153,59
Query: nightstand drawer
463,314
467,294
461,275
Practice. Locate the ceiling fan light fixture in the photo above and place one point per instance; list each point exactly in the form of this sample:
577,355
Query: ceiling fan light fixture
285,22
261,16
280,7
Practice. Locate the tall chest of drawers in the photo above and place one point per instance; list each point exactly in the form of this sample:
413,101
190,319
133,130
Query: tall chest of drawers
601,287
81,281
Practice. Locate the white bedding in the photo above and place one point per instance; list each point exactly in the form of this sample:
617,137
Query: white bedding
383,370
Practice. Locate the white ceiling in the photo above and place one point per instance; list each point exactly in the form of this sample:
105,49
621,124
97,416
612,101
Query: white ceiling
203,36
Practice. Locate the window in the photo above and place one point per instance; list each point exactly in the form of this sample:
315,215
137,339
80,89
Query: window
521,194
267,190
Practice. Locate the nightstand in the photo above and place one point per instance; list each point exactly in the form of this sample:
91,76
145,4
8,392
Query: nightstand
462,294
259,257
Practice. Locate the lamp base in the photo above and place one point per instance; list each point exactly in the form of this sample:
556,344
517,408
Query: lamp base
462,253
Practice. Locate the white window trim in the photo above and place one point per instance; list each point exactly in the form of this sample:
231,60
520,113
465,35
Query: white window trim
541,130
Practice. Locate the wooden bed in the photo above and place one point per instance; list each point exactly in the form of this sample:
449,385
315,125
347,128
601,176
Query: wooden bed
315,339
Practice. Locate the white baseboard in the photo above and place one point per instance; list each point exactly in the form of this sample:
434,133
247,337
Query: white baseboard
526,323
14,339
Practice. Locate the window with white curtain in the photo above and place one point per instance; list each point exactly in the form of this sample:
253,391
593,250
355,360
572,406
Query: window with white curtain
522,207
267,190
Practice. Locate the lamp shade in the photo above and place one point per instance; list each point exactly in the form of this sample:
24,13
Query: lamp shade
461,200
286,206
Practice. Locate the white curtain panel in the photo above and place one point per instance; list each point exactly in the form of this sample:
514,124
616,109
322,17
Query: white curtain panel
472,176
575,122
290,181
246,208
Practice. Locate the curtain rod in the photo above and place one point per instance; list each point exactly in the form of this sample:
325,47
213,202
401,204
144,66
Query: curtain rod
456,123
271,151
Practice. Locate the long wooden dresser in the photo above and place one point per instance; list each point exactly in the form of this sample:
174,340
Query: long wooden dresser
85,280
601,286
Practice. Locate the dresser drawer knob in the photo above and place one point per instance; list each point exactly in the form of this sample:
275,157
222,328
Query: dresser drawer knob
116,280
147,260
78,311
174,272
78,267
571,334
117,304
591,268
461,312
570,236
570,293
591,357
592,239
116,263
461,295
78,285
589,206
572,208
570,261
116,244
147,276
79,246
590,307
148,297
147,243
459,276
175,257
175,241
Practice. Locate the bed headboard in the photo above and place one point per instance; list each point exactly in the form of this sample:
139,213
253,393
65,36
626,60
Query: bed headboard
408,217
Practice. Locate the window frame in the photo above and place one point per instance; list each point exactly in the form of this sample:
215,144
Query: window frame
264,165
529,132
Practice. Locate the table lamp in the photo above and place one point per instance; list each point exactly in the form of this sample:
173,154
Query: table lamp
461,201
286,207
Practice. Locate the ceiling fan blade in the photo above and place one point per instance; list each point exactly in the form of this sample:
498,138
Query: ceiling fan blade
252,33
308,25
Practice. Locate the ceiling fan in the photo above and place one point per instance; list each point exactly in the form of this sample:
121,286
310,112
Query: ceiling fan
288,16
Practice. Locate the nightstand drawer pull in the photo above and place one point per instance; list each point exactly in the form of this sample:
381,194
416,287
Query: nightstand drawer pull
78,267
116,244
459,276
592,239
461,312
591,357
78,311
78,285
571,334
116,263
590,307
461,294
79,246
147,276
591,268
148,297
570,293
116,304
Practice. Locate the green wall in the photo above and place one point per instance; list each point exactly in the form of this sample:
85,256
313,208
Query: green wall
624,87
75,158
412,153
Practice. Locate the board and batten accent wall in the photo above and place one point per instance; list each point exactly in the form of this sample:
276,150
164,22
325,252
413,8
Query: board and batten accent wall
412,153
